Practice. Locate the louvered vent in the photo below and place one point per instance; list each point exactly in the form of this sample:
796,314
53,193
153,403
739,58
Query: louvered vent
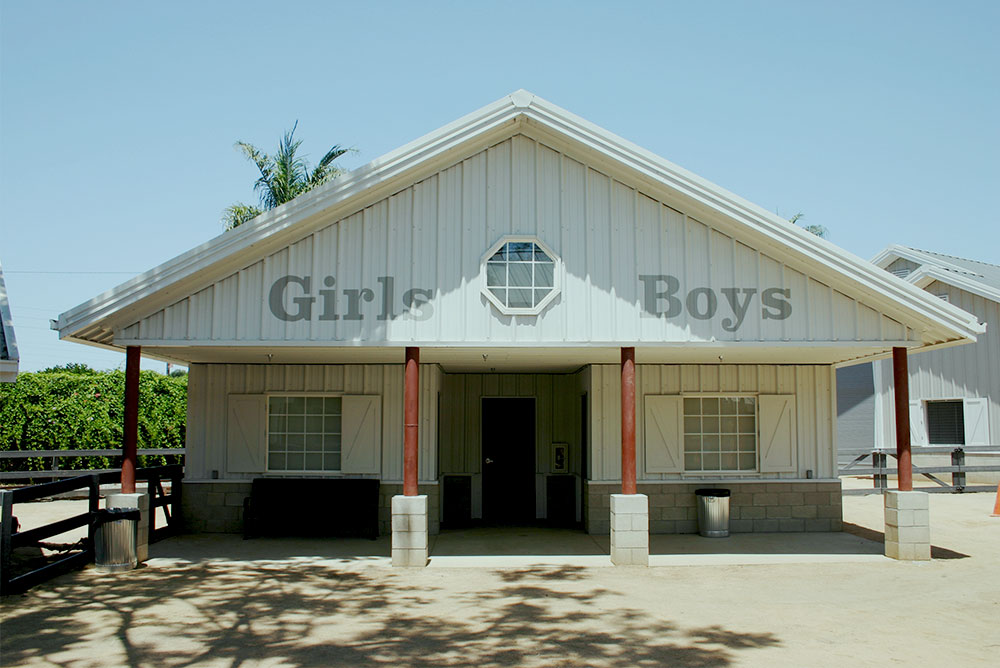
946,422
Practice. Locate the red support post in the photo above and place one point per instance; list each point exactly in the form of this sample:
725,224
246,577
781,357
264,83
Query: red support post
628,421
411,417
901,386
130,425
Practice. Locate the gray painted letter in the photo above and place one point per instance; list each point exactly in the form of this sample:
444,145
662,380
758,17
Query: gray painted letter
739,310
651,296
412,300
711,303
354,298
388,292
771,299
329,300
276,299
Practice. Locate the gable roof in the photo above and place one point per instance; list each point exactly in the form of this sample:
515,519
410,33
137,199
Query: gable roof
8,344
96,321
981,278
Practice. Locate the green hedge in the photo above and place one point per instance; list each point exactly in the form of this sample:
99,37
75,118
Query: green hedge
76,408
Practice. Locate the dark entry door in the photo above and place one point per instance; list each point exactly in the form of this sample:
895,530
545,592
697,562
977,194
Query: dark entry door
508,461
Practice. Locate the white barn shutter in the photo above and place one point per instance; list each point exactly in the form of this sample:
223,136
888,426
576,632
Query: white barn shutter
361,443
245,433
918,424
663,435
778,442
977,423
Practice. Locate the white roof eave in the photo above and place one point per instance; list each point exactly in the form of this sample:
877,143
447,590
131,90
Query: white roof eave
173,280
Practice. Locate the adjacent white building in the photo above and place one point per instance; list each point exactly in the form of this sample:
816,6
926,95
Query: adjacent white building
954,393
8,344
521,249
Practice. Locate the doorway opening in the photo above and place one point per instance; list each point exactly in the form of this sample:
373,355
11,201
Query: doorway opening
508,466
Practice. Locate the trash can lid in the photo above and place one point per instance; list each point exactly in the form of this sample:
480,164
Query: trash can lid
105,515
712,491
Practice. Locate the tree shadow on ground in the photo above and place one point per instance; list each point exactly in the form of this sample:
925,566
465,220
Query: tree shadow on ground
304,614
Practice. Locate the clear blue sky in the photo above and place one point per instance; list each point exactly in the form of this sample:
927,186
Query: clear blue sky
878,120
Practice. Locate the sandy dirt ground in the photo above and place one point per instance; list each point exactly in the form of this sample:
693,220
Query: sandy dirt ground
197,607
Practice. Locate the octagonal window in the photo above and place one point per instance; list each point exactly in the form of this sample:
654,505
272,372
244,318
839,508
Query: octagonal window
520,275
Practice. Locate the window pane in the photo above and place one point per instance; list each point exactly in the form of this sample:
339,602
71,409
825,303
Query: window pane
276,462
748,425
711,461
540,255
501,294
730,462
275,442
748,443
314,442
331,462
710,424
727,424
519,275
296,442
296,461
277,424
540,295
496,274
519,299
331,405
729,442
710,443
692,462
332,424
710,406
276,405
544,275
720,434
314,424
692,406
314,406
314,462
728,405
331,443
746,406
296,405
520,250
296,424
500,255
748,462
692,443
692,425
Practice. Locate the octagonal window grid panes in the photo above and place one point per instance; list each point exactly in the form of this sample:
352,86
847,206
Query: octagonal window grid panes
520,275
303,433
720,434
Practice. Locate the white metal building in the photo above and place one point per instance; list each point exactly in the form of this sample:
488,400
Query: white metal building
8,344
521,249
954,394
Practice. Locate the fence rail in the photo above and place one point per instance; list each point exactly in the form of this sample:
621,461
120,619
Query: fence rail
880,468
11,538
56,455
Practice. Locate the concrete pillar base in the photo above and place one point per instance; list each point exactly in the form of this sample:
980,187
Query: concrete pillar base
409,531
629,530
140,501
907,526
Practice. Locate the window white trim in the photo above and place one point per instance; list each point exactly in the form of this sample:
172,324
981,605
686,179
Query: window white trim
545,301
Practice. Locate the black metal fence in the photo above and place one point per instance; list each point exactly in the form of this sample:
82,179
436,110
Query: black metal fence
11,538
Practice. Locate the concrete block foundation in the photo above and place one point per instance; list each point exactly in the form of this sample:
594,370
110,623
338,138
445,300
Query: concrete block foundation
766,506
629,522
907,526
409,531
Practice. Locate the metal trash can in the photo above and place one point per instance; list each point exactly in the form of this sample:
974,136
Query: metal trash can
115,538
713,512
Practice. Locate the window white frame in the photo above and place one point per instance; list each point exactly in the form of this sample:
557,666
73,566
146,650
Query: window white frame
501,305
267,433
756,434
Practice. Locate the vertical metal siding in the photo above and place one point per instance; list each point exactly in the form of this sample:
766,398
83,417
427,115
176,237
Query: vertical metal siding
811,385
959,372
210,384
433,234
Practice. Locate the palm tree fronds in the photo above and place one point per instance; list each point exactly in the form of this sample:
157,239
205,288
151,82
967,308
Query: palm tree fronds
239,213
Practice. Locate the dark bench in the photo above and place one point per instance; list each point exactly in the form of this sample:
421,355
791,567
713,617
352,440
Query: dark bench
311,507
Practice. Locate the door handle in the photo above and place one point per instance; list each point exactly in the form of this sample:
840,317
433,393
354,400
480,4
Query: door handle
488,460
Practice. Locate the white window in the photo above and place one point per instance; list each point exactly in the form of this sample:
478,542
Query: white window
304,433
720,433
521,275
